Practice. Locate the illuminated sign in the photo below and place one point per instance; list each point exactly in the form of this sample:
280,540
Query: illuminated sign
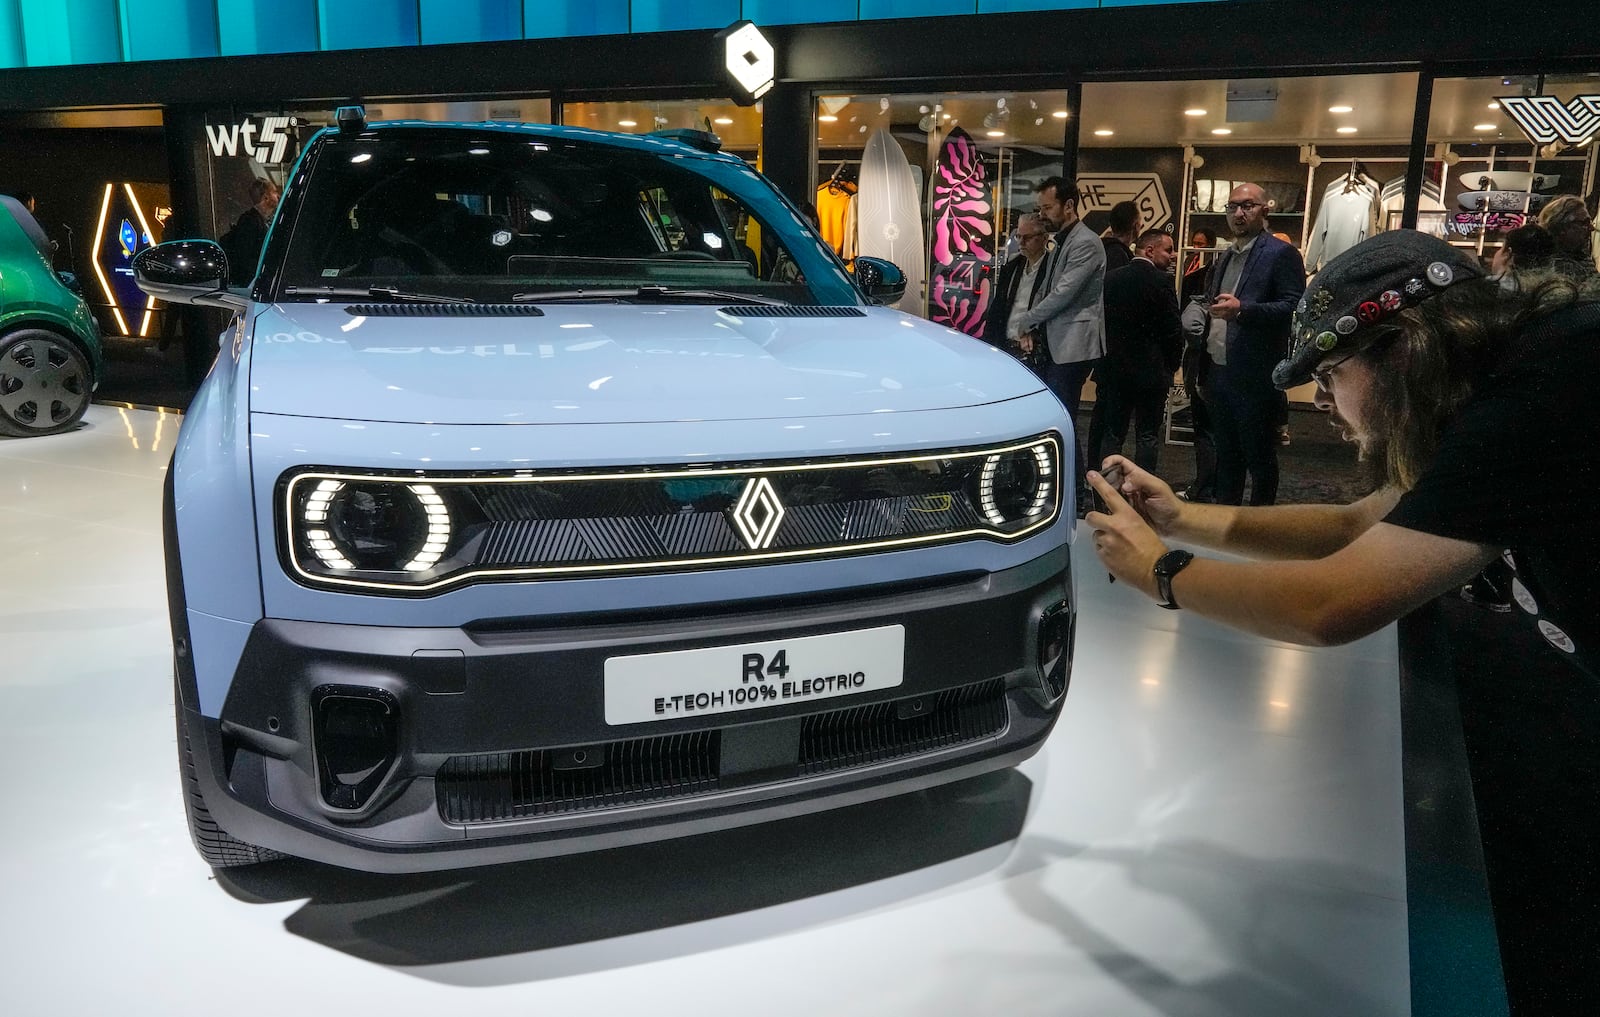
1097,192
1545,118
116,240
265,139
749,60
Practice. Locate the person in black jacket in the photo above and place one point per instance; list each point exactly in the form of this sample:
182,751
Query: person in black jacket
242,243
1121,232
1144,343
1020,284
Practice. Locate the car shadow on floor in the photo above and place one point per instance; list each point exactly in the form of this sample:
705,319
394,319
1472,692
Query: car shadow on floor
575,908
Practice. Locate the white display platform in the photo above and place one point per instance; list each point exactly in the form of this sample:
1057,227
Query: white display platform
1213,828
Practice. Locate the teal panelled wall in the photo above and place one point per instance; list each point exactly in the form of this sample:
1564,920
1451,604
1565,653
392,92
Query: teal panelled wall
11,45
360,24
470,20
169,29
71,32
246,27
41,33
545,19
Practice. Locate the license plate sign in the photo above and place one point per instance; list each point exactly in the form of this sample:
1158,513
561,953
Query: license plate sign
751,676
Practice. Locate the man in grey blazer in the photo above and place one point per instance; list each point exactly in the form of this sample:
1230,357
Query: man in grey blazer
1071,314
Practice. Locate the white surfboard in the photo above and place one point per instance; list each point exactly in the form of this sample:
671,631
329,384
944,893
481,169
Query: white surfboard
889,215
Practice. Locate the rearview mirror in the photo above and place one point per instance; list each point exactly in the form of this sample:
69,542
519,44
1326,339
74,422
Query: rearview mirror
187,272
882,281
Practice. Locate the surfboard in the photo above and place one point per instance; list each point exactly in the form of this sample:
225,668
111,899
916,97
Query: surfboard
962,236
889,214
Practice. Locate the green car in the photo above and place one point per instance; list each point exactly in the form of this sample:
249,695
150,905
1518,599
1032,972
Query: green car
50,358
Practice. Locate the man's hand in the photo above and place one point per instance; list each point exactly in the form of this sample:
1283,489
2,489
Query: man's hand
1226,307
1146,493
1025,343
1123,540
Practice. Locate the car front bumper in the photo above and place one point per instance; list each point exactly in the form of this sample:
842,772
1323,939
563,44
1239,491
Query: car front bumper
500,749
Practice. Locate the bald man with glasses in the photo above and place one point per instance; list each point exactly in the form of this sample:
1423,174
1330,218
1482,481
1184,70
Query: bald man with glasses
1254,286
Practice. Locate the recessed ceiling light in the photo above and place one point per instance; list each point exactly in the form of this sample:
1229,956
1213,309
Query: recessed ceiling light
828,118
1196,112
1222,130
1104,132
1494,105
1341,109
947,116
996,134
627,123
1060,114
1346,130
723,120
1483,127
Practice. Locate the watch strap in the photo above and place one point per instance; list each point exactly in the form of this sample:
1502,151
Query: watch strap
1167,566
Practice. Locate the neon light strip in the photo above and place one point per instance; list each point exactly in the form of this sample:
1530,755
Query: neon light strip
677,563
150,303
94,259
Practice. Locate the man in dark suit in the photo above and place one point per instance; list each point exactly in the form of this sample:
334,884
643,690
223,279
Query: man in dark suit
1254,287
1020,284
1144,342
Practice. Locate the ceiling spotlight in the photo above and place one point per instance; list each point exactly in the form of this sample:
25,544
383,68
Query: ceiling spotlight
1341,109
723,120
627,123
1104,132
1483,127
1346,130
1060,114
1222,130
1494,105
996,134
828,118
1196,112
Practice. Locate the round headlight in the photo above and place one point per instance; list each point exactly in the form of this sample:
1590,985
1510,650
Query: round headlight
1016,486
375,526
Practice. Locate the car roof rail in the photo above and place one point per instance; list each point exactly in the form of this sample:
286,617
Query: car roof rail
705,141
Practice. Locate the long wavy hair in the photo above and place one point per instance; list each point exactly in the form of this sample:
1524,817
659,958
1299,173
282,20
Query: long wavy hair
1428,365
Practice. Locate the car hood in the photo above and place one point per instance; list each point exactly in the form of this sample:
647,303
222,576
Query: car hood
585,363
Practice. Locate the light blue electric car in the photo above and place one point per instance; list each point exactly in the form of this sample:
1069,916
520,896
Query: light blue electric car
557,490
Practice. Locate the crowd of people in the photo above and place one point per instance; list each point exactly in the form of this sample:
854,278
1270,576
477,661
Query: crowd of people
1467,387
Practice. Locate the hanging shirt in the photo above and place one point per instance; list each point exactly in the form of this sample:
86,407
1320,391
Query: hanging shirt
835,200
1345,219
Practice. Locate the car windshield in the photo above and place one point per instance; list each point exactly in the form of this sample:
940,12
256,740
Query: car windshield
502,217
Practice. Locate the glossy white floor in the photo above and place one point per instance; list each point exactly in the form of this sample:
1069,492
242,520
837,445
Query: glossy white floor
1214,828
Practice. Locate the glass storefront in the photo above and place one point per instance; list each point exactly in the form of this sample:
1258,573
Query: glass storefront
739,127
934,182
1494,176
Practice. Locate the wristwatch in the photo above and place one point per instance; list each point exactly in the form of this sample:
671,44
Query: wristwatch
1167,566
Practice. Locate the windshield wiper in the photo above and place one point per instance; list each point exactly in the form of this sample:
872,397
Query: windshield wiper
664,294
388,293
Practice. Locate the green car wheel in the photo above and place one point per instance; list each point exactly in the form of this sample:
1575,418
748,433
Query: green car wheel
45,383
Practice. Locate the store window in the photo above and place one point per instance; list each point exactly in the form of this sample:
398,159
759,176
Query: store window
1510,146
934,182
739,127
1329,151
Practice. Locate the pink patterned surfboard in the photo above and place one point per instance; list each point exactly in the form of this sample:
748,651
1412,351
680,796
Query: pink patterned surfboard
962,237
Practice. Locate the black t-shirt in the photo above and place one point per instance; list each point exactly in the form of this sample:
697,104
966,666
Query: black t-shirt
1519,468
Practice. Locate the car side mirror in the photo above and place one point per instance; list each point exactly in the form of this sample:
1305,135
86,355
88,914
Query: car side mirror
187,272
882,281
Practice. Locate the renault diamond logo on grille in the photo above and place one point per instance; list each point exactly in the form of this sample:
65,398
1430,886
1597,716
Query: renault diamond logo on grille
758,514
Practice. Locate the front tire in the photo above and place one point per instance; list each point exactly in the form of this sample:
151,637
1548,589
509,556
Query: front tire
218,847
45,383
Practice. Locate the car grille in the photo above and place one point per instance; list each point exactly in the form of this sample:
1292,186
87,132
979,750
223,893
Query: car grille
500,786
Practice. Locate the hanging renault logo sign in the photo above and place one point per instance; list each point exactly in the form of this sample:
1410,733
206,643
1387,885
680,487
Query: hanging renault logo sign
749,60
757,514
1545,118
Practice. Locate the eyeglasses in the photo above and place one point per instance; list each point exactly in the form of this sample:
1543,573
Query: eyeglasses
1031,236
1323,375
1244,206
